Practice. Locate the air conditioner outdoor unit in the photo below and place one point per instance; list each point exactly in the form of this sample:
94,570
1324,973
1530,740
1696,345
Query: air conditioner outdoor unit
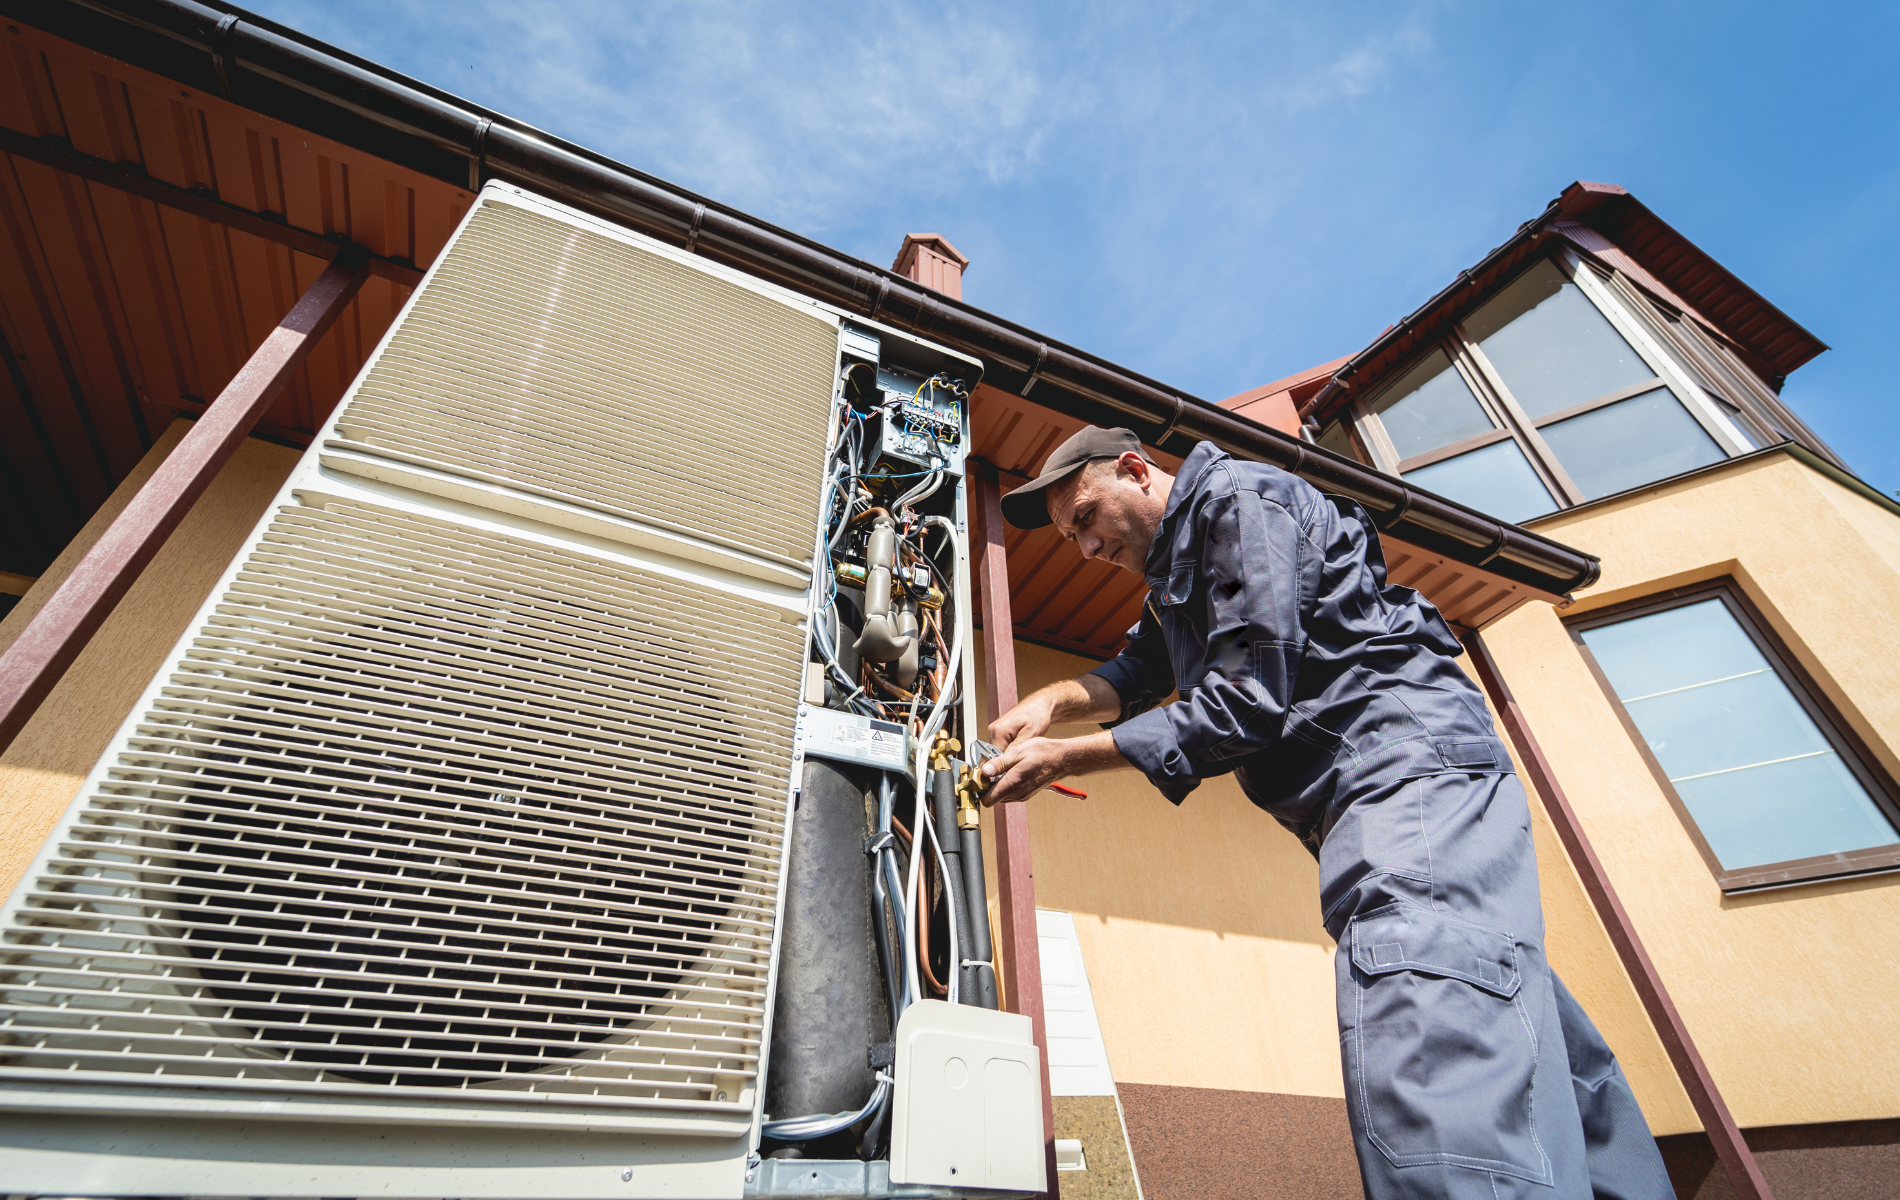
529,812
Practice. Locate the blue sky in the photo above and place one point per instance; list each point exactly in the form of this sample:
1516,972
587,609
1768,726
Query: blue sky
1221,196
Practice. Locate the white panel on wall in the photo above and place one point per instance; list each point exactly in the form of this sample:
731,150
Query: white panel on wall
1078,1059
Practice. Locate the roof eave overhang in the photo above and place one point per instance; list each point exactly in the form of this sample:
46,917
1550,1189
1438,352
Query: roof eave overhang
1775,342
280,73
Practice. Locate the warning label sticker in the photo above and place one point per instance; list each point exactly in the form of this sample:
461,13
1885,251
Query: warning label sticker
852,738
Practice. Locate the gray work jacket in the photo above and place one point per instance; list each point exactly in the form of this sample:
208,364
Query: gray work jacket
1299,667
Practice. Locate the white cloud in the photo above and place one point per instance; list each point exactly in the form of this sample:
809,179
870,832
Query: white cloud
791,112
1364,68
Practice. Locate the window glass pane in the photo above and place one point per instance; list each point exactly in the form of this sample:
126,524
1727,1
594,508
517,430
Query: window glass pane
1430,407
1496,480
1335,438
1630,443
1751,766
1551,345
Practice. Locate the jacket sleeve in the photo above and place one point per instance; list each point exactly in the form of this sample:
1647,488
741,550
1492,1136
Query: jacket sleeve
1254,566
1141,674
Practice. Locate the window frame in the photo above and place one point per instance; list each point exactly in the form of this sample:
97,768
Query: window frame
1722,370
1839,734
1510,420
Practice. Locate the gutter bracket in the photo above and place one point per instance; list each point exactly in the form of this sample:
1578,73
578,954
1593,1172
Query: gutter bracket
1398,514
1035,373
1493,550
1174,418
692,235
219,37
478,153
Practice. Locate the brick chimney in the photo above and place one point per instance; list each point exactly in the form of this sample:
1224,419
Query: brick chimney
932,261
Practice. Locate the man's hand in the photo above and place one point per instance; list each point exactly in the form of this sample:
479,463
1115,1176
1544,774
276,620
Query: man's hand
1033,763
1030,719
1089,698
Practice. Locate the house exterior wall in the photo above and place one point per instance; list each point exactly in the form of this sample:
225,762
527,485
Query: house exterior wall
44,766
1200,926
1786,992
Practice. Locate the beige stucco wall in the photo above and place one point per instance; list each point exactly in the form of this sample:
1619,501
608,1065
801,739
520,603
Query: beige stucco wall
43,767
1201,929
1200,926
1789,994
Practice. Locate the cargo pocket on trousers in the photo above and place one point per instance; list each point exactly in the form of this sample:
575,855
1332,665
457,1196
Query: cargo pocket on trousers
1442,1057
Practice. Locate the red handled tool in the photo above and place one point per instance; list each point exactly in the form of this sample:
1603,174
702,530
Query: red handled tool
983,752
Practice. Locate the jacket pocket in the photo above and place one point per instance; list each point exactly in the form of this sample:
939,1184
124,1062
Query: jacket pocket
1440,1052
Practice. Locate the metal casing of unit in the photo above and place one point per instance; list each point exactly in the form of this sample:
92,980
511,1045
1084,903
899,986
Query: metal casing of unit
459,809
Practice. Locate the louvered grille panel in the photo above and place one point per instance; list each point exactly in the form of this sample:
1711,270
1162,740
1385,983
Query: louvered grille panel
427,808
554,359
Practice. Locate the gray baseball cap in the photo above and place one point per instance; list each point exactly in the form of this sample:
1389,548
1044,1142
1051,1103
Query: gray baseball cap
1028,506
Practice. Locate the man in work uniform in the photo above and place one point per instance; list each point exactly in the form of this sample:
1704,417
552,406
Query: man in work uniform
1333,699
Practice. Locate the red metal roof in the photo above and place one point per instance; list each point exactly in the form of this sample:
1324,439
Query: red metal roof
1675,266
1606,222
1278,404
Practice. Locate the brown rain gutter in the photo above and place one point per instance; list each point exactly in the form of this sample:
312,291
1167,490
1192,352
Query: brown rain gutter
275,71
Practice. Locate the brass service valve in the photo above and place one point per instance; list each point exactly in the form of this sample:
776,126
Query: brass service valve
943,750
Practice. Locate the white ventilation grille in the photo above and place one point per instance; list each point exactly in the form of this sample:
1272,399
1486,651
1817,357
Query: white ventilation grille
425,809
557,362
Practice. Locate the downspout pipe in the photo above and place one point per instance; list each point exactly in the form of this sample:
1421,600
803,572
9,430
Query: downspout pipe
275,71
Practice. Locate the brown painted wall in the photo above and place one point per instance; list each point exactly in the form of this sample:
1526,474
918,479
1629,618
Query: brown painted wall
1206,1144
45,764
1210,1144
1859,1159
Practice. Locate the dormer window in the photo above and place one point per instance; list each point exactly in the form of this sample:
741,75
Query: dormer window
1447,440
1549,394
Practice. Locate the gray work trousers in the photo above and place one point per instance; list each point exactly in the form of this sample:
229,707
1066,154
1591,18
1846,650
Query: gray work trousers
1470,1069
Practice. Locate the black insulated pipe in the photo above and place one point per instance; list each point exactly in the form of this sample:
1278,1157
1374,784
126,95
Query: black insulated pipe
283,74
943,803
977,904
831,1007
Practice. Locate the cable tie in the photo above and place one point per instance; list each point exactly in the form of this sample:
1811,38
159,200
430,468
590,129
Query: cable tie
979,962
882,842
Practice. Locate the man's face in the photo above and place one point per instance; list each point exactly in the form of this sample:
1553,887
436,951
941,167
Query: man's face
1110,510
